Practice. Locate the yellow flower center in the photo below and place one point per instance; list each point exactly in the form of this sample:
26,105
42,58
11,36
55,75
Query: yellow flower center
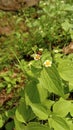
47,63
37,57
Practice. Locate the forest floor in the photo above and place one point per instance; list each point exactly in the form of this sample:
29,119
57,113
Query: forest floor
10,23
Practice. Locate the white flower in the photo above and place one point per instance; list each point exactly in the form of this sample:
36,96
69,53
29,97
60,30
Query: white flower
56,51
37,57
47,63
41,49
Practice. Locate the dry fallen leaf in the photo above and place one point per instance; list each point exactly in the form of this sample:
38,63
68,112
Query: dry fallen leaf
68,49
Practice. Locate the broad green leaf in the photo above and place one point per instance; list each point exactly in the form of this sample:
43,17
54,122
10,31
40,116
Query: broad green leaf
24,113
10,125
65,68
51,80
48,103
36,126
31,92
39,110
70,123
58,123
21,113
34,92
30,126
43,93
19,125
62,107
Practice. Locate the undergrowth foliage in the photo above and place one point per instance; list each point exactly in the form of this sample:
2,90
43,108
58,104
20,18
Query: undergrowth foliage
44,99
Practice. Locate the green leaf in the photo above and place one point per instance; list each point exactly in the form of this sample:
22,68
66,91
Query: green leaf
70,123
24,113
58,123
51,80
65,68
31,92
34,92
10,125
36,126
39,110
7,78
19,125
62,107
43,93
48,103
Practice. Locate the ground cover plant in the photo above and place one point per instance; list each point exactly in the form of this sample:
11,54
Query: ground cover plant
36,67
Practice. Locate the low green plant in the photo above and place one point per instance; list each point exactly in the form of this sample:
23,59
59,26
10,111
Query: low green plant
52,24
49,24
45,95
44,101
